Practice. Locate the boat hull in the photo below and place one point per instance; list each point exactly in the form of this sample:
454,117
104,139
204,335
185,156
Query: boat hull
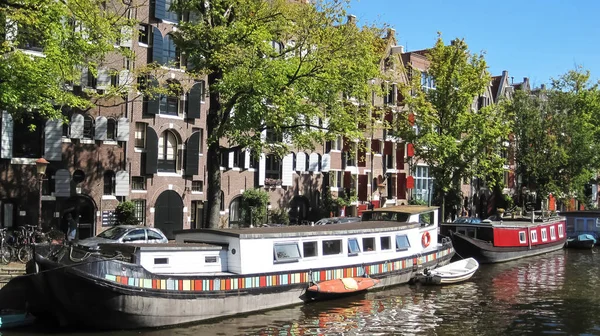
486,253
76,296
580,244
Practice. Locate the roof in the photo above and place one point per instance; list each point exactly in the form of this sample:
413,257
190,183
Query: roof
581,213
306,230
409,209
496,82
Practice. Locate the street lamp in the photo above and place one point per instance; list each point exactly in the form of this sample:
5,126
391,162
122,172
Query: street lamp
40,165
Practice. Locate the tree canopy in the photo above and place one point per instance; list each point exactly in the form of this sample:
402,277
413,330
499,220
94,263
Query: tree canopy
557,133
45,44
453,137
279,66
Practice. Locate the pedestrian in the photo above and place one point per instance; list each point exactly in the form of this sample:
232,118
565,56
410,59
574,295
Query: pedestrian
72,227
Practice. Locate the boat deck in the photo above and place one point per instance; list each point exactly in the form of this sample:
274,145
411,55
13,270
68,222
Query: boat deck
517,223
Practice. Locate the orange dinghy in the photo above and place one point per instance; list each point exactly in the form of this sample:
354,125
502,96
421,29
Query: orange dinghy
343,286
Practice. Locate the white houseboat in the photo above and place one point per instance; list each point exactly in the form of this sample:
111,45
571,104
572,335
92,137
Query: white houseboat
211,273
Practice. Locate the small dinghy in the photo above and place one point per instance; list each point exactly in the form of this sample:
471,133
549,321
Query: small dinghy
14,319
457,271
341,287
582,241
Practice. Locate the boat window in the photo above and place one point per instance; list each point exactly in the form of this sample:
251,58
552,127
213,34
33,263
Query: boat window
579,224
331,247
210,259
137,235
368,244
310,249
386,243
560,231
402,243
522,238
353,248
426,219
552,233
388,216
544,234
534,236
597,222
286,252
161,261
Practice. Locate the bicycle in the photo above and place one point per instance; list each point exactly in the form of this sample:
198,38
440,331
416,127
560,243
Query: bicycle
6,251
27,239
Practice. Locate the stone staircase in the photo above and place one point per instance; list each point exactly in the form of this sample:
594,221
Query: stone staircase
7,272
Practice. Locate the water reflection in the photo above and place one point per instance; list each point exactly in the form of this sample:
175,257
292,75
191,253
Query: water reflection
553,293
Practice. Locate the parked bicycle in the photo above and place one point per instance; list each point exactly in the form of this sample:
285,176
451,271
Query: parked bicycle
6,251
27,236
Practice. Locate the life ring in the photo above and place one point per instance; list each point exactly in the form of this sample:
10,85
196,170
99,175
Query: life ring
426,239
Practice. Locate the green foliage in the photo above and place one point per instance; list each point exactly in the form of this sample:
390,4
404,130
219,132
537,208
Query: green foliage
71,35
558,131
280,216
287,89
254,206
125,213
417,202
453,139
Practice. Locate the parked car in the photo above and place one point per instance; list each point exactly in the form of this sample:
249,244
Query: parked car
337,220
126,234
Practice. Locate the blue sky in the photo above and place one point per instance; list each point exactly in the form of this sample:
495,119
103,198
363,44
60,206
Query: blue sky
529,38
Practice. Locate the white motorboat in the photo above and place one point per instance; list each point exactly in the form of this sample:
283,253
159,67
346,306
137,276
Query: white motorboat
457,271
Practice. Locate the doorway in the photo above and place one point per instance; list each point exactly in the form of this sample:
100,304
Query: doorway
168,213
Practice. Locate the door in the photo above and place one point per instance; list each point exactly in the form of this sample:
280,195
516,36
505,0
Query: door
168,213
197,215
8,220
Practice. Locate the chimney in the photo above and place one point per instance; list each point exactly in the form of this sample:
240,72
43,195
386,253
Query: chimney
352,19
398,50
504,73
391,32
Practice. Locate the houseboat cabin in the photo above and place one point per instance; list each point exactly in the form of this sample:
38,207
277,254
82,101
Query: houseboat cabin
583,222
210,273
506,240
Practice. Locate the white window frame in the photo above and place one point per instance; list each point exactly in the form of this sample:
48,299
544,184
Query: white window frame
552,233
544,233
277,259
534,236
561,232
522,237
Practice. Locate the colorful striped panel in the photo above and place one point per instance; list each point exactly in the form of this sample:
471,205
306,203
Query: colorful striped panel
273,280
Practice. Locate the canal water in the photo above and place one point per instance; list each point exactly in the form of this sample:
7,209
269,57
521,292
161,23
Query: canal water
556,293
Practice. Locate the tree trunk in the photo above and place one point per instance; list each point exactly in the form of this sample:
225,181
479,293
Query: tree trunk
213,160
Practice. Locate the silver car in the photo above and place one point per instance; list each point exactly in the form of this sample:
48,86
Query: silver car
126,234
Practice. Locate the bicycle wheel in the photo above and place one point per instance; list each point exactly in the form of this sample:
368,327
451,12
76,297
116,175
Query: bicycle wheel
5,254
25,253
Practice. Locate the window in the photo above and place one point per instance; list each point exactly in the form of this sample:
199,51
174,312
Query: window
140,210
272,167
385,243
27,143
402,243
92,80
552,233
286,252
337,144
331,247
274,136
222,207
235,215
534,236
368,244
427,82
560,231
197,186
161,261
66,130
211,259
153,236
580,224
167,152
111,129
522,237
170,52
169,103
140,135
137,235
143,30
88,127
309,249
544,235
353,247
351,155
336,178
426,219
109,182
138,183
423,184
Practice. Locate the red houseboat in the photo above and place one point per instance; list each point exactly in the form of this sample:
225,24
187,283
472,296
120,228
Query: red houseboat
492,242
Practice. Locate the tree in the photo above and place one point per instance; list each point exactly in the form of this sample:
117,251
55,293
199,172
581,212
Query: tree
44,46
254,206
455,141
557,132
125,213
276,66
